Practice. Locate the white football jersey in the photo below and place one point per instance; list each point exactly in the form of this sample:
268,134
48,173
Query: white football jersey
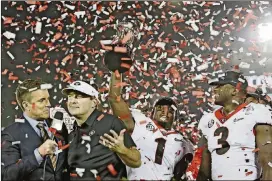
160,150
231,141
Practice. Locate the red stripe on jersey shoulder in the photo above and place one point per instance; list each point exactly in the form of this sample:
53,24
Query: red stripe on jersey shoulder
223,118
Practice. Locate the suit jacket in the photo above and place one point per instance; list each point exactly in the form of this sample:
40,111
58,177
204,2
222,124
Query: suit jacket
19,141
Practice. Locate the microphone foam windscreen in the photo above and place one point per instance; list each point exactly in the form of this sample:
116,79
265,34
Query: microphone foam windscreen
58,115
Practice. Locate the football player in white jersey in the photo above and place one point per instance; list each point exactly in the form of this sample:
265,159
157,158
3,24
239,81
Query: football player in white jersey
165,153
235,147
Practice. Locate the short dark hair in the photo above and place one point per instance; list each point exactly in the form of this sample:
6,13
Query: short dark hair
24,90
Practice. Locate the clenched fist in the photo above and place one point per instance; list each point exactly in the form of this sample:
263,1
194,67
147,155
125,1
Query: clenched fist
47,148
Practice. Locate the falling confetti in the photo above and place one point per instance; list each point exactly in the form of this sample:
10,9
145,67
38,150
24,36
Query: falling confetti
181,46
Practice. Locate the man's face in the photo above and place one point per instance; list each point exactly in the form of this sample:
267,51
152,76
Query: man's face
223,94
37,107
164,114
79,104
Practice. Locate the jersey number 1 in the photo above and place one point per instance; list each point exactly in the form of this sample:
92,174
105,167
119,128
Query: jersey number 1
160,150
222,141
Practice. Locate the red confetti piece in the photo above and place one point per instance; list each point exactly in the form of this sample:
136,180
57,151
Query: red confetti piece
5,72
65,147
57,36
143,122
121,84
59,144
18,161
31,2
43,8
124,116
20,8
249,173
8,20
14,103
100,117
112,169
13,78
125,65
117,74
98,178
73,174
256,150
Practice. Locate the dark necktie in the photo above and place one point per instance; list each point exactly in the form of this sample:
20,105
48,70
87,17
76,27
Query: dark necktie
45,137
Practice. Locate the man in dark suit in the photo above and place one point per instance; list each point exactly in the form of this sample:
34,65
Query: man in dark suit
28,147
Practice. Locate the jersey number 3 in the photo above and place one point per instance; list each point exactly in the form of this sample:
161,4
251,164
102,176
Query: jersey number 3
222,141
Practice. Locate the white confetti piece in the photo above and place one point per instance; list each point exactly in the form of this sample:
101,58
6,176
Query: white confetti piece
88,148
20,120
70,6
235,102
38,28
95,172
106,42
9,35
162,5
270,164
174,107
202,67
58,151
160,45
16,142
262,62
37,68
241,80
33,89
241,39
80,171
10,55
261,9
46,86
80,14
172,60
63,16
26,135
145,66
244,65
195,27
86,138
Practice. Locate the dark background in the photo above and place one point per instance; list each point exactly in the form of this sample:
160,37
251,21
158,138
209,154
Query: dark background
27,48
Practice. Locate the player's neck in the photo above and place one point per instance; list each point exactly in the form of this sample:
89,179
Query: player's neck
228,108
161,125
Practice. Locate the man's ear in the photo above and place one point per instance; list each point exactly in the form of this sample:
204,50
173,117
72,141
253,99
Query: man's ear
96,101
25,104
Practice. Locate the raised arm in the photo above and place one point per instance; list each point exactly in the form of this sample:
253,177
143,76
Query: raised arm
263,140
205,166
118,105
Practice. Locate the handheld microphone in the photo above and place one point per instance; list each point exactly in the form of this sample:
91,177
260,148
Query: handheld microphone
57,121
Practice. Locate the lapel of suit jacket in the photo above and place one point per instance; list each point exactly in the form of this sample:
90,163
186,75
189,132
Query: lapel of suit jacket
34,138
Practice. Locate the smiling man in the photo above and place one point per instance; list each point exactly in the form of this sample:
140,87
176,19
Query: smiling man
165,153
234,146
27,145
90,156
